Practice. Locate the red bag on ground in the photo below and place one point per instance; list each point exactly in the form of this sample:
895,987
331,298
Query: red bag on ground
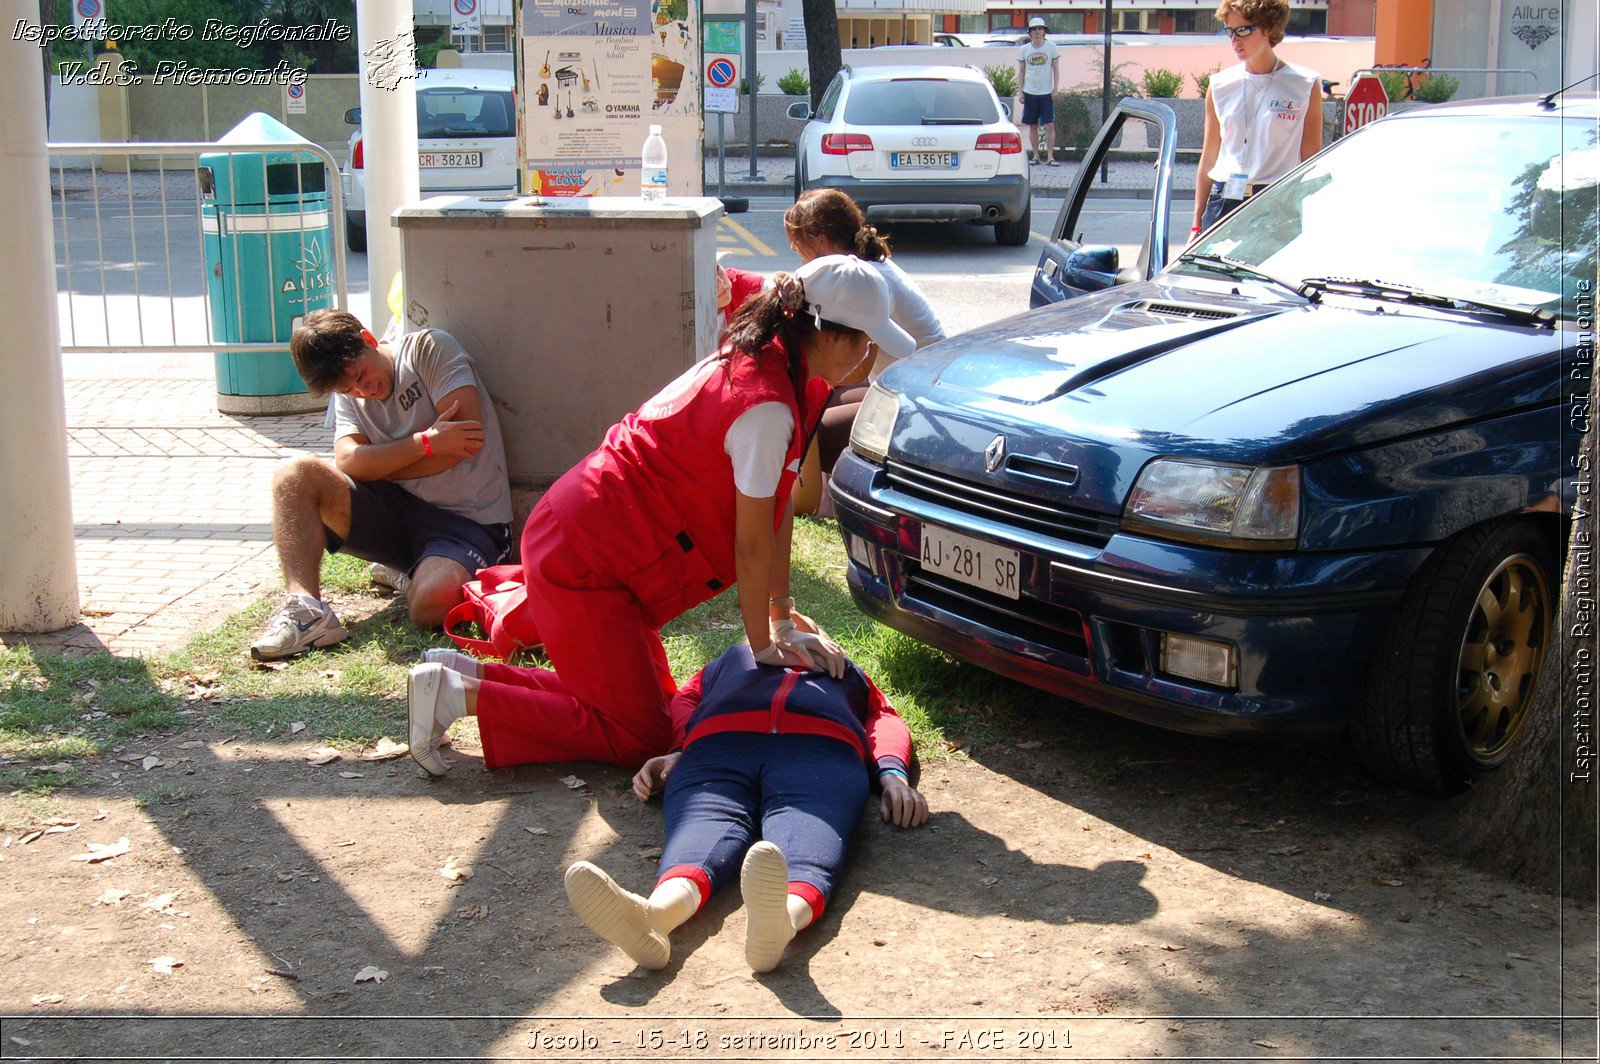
495,601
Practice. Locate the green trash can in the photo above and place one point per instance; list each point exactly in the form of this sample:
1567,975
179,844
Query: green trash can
269,261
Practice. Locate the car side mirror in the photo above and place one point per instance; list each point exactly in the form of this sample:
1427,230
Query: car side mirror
801,111
1091,268
352,117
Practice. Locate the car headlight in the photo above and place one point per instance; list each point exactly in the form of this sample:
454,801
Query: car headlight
869,436
1231,505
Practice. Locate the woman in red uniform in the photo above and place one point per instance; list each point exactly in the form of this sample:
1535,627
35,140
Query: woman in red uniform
684,498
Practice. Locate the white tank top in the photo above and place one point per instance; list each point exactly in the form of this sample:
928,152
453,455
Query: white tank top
1263,117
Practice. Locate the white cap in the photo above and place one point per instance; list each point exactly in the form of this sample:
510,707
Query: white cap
1037,21
845,290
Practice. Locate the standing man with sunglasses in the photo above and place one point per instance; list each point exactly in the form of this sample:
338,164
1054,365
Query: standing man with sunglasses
1263,117
1038,67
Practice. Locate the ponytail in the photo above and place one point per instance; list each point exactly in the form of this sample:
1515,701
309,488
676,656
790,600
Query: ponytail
772,314
870,246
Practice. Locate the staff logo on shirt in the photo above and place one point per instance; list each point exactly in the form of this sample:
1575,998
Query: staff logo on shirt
409,397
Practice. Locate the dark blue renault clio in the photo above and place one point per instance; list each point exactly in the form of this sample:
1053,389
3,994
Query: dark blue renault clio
1313,476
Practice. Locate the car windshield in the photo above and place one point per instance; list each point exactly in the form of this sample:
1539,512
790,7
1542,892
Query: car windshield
461,112
1489,208
919,102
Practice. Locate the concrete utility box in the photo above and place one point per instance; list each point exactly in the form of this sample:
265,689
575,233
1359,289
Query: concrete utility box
269,262
576,310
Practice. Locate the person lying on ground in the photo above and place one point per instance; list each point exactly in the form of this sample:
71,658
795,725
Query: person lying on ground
771,765
417,482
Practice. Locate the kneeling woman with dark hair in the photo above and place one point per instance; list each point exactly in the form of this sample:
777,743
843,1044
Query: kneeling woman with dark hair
786,755
685,498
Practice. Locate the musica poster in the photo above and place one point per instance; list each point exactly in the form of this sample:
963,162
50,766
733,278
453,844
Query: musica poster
595,77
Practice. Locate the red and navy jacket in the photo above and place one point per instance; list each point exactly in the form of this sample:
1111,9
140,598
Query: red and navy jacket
735,693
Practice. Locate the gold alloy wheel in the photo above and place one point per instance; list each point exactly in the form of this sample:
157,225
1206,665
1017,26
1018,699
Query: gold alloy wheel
1500,657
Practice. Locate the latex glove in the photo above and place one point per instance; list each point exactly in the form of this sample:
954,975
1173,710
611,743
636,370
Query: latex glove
774,654
903,806
818,651
802,622
652,778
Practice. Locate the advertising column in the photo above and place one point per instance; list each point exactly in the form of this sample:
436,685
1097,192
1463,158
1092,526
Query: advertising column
595,78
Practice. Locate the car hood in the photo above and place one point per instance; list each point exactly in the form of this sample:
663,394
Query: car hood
1106,382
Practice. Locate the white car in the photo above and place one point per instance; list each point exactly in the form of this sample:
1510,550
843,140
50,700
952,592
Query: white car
917,143
466,141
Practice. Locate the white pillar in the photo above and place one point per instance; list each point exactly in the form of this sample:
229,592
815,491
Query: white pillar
389,135
38,572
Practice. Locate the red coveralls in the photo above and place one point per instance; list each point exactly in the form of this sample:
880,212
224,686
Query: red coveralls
634,535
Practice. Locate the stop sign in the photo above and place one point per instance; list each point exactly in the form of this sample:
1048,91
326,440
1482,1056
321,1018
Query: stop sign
1365,102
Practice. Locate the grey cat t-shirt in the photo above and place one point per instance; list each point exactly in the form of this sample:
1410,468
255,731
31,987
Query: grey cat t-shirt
429,365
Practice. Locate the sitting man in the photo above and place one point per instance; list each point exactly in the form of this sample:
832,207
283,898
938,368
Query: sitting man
418,480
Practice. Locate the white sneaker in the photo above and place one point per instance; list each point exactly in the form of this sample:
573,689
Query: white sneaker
433,704
454,660
764,880
300,624
394,580
619,916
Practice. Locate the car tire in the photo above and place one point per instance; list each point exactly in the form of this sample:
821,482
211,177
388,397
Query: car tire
799,180
1452,682
1014,234
355,235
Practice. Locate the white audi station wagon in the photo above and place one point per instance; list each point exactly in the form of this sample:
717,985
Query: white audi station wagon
917,144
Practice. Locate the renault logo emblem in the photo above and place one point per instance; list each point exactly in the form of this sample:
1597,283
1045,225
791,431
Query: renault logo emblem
994,454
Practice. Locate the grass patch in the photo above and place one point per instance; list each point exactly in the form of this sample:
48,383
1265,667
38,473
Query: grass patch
165,794
53,709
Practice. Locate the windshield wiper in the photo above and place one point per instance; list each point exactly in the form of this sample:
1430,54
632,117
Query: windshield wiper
1401,293
1238,268
929,120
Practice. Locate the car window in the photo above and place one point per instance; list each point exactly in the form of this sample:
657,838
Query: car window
830,98
462,112
920,101
1493,208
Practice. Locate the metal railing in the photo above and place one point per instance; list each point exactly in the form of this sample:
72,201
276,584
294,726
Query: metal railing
188,332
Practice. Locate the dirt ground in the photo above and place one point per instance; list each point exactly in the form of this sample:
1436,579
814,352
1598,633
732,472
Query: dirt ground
1092,889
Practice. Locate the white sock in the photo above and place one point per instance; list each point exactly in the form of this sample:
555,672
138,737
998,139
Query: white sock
455,661
452,703
800,914
673,902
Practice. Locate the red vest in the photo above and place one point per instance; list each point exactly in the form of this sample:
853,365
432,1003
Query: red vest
653,508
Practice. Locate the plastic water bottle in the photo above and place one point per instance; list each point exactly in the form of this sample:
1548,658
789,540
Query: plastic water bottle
653,170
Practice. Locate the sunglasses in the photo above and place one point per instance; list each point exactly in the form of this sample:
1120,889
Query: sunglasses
1239,31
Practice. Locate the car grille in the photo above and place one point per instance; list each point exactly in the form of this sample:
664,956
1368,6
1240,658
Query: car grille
1003,506
1035,622
1184,310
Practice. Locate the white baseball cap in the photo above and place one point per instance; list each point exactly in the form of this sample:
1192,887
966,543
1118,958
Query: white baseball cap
843,289
1037,21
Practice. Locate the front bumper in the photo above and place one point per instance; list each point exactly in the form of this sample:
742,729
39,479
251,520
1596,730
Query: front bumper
1003,198
1089,622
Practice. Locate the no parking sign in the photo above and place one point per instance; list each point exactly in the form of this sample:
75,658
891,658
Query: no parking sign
84,10
722,67
294,99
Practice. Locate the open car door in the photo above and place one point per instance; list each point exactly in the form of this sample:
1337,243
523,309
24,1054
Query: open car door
1126,184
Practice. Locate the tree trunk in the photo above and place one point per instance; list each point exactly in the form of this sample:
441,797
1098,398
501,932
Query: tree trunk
822,45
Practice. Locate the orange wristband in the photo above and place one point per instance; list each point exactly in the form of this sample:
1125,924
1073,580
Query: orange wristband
427,448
